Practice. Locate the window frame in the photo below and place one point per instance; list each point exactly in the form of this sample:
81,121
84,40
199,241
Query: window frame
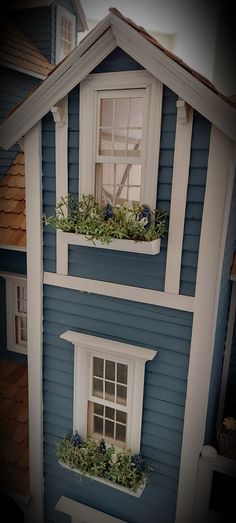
12,282
87,346
90,89
64,13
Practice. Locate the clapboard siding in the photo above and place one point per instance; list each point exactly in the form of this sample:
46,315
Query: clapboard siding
39,33
49,190
195,202
221,325
168,331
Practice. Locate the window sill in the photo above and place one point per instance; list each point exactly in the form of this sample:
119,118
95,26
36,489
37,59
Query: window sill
136,494
151,248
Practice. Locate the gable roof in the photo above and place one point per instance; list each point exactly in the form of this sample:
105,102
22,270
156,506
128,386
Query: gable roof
12,204
117,31
18,53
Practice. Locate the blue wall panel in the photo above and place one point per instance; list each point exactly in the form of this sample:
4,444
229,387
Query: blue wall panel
168,331
221,326
195,202
49,190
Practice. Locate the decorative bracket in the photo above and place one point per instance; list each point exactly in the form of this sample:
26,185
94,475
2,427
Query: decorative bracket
182,111
59,113
21,143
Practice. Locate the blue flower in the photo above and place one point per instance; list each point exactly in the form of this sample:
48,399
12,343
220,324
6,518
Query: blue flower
107,212
137,461
76,439
73,209
102,445
145,214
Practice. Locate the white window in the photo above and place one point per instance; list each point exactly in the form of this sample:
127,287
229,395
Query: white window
108,389
65,33
16,313
120,119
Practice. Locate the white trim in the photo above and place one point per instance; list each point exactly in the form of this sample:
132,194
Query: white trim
12,247
23,70
172,74
92,50
182,151
61,13
212,244
13,275
89,89
134,357
33,176
227,353
80,512
124,292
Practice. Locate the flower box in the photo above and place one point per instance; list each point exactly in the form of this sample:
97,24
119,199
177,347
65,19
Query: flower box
111,484
142,247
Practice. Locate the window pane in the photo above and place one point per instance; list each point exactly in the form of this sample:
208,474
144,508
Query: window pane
109,391
120,142
109,413
108,173
109,429
23,328
136,112
105,142
122,112
106,115
121,416
120,432
121,395
134,142
110,367
97,388
134,194
98,425
98,367
135,175
122,373
98,409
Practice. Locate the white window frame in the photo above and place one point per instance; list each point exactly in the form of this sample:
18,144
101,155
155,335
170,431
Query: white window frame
63,13
89,94
136,357
12,282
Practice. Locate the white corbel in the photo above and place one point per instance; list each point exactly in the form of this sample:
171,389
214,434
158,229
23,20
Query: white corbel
182,111
21,143
60,113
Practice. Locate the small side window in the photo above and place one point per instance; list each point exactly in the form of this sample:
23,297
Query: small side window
16,306
65,33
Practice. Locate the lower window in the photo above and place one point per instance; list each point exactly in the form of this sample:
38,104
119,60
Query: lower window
16,313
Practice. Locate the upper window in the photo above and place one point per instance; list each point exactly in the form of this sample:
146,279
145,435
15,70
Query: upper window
119,144
65,33
108,389
16,307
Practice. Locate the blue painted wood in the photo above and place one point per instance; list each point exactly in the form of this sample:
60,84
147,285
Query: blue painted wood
117,60
12,261
36,25
195,201
169,331
221,327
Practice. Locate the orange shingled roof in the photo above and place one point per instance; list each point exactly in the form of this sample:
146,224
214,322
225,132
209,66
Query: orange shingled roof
17,51
12,204
14,446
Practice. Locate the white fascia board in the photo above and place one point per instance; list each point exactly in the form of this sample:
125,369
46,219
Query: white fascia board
23,70
96,343
80,13
59,83
172,74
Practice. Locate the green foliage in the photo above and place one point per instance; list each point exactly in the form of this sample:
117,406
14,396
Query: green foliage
86,217
107,463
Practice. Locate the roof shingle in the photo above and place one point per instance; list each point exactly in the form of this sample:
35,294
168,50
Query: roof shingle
12,204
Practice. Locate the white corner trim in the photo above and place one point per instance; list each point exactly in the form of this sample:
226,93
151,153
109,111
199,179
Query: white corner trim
33,175
124,292
182,152
212,244
100,344
80,512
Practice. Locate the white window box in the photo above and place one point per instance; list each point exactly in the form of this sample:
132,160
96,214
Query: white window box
136,494
152,247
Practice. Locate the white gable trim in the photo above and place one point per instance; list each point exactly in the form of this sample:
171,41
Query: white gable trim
108,34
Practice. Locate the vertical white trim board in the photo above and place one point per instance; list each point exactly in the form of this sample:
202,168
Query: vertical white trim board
182,152
206,304
33,175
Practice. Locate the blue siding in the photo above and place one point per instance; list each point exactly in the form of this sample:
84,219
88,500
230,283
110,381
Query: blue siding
230,398
169,331
49,190
221,325
36,25
117,60
195,201
10,261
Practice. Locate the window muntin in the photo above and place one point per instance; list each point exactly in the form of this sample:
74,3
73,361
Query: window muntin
16,306
65,33
20,299
108,400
